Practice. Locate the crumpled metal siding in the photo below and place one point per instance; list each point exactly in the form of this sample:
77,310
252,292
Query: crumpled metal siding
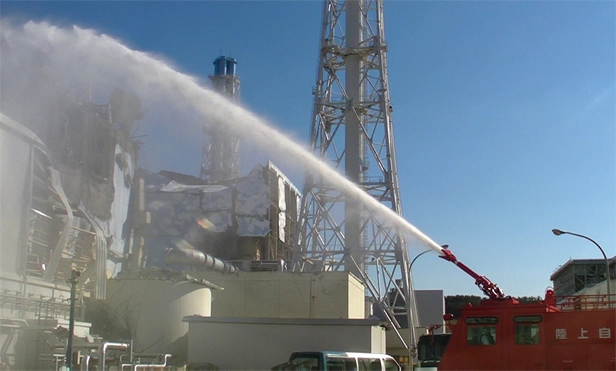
252,204
217,208
282,209
183,215
175,205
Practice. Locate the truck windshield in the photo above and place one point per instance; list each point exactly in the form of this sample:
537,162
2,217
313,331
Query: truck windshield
307,362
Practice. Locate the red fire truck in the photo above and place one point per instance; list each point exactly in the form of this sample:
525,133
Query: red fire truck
571,333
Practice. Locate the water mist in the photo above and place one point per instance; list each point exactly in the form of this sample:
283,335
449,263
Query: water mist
79,59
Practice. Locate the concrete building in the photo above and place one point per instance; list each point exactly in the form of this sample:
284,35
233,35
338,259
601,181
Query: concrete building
265,316
430,308
148,304
72,200
260,343
338,295
65,182
581,274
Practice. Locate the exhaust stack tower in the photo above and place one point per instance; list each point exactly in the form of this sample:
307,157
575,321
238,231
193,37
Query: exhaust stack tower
220,156
352,130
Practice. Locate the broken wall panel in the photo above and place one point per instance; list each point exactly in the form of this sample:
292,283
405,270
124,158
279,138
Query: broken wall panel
93,159
248,218
175,214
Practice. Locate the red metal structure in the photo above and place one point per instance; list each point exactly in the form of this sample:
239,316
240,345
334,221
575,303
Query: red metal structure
569,333
488,288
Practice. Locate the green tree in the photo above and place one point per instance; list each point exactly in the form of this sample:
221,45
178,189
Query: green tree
529,299
455,302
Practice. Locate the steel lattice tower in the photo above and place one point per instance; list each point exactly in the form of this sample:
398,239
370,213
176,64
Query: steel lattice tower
220,155
352,130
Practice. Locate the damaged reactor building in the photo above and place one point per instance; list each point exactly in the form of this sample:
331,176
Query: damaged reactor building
108,265
150,248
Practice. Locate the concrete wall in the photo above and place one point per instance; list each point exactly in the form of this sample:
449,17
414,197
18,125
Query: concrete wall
287,295
260,343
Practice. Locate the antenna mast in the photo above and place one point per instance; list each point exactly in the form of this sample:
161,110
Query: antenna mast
352,130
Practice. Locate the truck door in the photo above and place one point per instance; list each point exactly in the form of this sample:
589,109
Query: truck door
526,342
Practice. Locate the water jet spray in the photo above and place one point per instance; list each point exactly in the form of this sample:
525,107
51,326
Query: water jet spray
82,58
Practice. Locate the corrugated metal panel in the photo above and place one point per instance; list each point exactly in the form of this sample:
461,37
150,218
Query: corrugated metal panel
252,204
174,186
261,204
282,209
217,208
253,226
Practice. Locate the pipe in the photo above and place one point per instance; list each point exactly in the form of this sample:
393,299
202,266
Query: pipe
165,359
197,258
488,287
102,351
85,362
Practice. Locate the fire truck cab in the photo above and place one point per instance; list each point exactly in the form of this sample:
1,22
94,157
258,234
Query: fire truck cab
566,333
576,334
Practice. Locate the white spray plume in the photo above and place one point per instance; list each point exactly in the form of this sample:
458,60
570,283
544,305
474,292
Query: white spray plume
87,60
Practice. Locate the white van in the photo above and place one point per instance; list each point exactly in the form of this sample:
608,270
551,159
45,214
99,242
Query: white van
339,361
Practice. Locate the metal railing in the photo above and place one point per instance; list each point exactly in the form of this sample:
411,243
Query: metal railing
585,302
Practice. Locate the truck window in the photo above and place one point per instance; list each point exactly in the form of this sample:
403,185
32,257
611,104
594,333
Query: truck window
527,330
391,365
339,361
369,364
341,364
481,335
480,332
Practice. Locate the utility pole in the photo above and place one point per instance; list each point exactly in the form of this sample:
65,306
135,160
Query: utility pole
68,358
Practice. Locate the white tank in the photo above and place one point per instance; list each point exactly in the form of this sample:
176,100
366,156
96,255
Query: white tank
154,310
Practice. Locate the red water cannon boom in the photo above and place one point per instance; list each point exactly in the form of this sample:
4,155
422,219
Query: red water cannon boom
488,287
